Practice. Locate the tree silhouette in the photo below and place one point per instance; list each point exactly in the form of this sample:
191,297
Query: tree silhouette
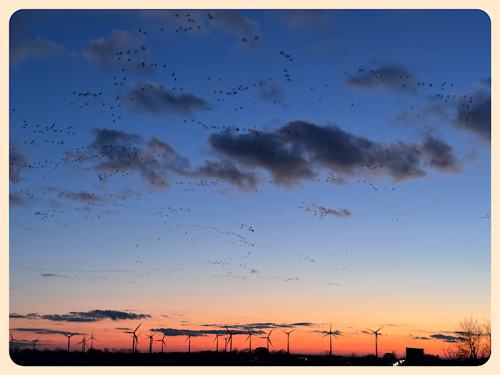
473,340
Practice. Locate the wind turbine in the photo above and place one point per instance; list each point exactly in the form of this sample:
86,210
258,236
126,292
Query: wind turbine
69,337
92,340
189,338
12,339
376,339
151,341
137,342
331,334
83,342
162,342
249,337
217,338
134,337
225,344
268,339
230,340
33,342
288,340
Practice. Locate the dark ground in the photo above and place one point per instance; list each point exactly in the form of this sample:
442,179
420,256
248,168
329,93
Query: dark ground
100,358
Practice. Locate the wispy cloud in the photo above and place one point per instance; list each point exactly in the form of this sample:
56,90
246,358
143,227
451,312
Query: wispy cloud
23,44
394,77
153,99
89,316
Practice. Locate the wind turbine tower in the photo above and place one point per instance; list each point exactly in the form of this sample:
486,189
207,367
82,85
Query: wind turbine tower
151,342
330,334
92,340
33,342
230,340
217,339
249,337
134,337
69,337
268,339
162,342
189,338
376,339
288,340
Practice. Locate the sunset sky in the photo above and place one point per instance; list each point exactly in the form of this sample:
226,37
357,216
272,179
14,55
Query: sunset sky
255,169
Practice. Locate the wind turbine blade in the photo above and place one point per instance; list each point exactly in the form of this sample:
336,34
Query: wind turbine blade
325,335
270,341
371,330
247,338
291,331
187,338
137,327
380,328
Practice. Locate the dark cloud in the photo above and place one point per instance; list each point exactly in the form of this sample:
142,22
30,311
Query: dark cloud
295,18
160,102
180,332
474,115
253,271
23,44
80,196
27,316
390,76
103,51
260,327
43,331
297,151
52,275
113,139
420,338
324,211
121,152
16,200
440,155
124,329
336,332
232,22
84,317
226,171
446,338
16,162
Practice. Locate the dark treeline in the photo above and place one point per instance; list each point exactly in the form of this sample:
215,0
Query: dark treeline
258,357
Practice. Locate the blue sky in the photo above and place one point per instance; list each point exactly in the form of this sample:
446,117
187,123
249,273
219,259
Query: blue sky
366,89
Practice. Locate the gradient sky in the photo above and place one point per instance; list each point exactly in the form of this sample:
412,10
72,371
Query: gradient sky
309,168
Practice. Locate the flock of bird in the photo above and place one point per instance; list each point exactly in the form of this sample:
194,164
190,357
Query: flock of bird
131,161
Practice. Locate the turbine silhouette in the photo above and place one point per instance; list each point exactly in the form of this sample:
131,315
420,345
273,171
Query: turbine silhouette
151,341
330,334
162,342
268,339
137,342
92,340
249,337
12,339
134,337
288,340
230,340
83,342
217,338
376,339
189,338
69,337
33,342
